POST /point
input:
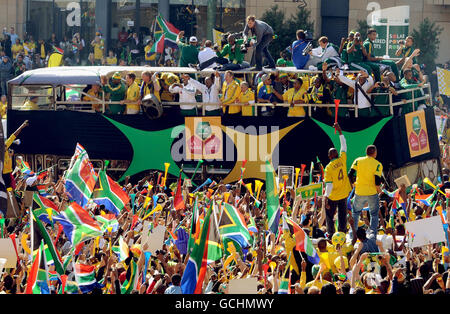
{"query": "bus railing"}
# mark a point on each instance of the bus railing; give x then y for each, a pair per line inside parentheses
(86, 106)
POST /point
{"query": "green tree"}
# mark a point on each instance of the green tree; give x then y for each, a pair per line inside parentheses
(285, 28)
(362, 28)
(426, 38)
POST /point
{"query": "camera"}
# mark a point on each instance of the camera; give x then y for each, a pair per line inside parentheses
(309, 46)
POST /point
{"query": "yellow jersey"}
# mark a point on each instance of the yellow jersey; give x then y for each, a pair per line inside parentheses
(111, 61)
(96, 107)
(366, 168)
(7, 164)
(3, 108)
(247, 98)
(230, 93)
(336, 173)
(290, 96)
(30, 46)
(133, 93)
(29, 105)
(15, 49)
(98, 50)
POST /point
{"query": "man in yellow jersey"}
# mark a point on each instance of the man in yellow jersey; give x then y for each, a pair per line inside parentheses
(133, 94)
(230, 93)
(7, 164)
(368, 172)
(337, 186)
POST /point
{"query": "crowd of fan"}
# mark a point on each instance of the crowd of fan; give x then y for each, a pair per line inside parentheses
(361, 265)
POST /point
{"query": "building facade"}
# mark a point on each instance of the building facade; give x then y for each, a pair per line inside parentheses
(333, 18)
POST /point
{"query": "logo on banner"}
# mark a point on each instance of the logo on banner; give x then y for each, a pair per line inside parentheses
(416, 130)
(203, 138)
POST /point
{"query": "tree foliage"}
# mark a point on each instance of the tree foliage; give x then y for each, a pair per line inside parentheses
(426, 38)
(362, 28)
(285, 28)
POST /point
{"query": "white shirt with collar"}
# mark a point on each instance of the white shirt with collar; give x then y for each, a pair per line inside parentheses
(209, 95)
(206, 54)
(362, 100)
(187, 93)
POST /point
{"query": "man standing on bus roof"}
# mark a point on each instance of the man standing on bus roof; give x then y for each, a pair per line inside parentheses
(337, 186)
(116, 89)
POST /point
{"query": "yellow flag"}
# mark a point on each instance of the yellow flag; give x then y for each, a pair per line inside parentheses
(443, 77)
(217, 38)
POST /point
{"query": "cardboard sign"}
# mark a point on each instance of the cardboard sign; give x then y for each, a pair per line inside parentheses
(7, 252)
(289, 172)
(28, 198)
(153, 239)
(426, 231)
(13, 210)
(308, 191)
(243, 286)
(416, 130)
(403, 180)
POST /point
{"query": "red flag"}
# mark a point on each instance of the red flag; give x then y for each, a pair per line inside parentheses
(336, 107)
(63, 283)
(32, 276)
(13, 238)
(78, 248)
(303, 170)
(178, 200)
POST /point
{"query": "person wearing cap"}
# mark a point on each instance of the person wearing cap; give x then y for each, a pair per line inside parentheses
(116, 90)
(365, 81)
(16, 48)
(264, 36)
(265, 95)
(188, 52)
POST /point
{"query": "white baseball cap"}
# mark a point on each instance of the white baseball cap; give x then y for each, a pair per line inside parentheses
(193, 39)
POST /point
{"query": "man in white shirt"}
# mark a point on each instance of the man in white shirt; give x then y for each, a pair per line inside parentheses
(210, 93)
(187, 92)
(364, 81)
(206, 55)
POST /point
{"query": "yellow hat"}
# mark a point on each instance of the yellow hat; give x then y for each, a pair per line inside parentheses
(117, 76)
(337, 262)
(283, 75)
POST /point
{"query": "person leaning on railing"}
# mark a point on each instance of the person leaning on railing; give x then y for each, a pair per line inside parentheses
(187, 91)
(94, 91)
(266, 95)
(338, 91)
(408, 82)
(294, 96)
(133, 95)
(230, 93)
(247, 97)
(117, 90)
(383, 88)
(365, 81)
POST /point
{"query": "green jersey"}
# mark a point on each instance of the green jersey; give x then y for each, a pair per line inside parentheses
(356, 55)
(189, 54)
